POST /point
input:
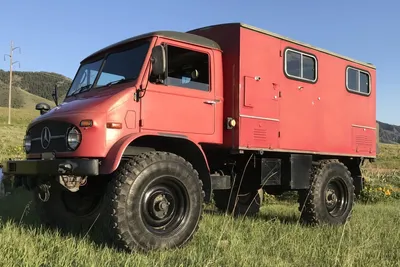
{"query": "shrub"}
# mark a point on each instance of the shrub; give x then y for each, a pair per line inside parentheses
(379, 193)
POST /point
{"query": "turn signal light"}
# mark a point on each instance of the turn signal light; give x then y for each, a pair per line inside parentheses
(114, 125)
(86, 123)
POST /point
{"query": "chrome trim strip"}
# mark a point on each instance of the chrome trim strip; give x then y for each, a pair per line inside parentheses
(256, 117)
(363, 126)
(53, 137)
(305, 152)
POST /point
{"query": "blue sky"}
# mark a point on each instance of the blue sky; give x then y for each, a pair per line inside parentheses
(56, 35)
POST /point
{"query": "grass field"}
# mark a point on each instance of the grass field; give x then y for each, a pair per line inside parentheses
(274, 238)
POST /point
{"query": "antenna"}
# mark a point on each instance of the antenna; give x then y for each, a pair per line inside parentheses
(12, 48)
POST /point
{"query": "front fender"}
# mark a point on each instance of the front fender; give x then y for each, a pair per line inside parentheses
(114, 155)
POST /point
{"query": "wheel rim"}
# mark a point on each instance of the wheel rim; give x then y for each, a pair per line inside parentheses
(164, 205)
(336, 199)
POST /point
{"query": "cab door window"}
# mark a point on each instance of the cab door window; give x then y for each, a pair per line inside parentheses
(187, 68)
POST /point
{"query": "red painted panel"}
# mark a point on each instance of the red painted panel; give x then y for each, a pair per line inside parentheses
(257, 133)
(178, 110)
(184, 111)
(130, 119)
(363, 140)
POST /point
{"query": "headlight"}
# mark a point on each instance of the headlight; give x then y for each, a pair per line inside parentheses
(74, 138)
(27, 143)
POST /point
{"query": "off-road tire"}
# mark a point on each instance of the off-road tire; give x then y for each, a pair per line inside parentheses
(242, 204)
(126, 197)
(313, 203)
(55, 213)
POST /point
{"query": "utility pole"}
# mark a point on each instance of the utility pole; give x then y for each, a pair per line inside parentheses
(12, 48)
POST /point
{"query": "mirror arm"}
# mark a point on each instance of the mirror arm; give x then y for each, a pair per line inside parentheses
(55, 95)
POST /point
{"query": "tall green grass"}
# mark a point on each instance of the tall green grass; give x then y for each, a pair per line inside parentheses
(274, 238)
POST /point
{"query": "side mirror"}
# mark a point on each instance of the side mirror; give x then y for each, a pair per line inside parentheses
(158, 60)
(55, 95)
(43, 108)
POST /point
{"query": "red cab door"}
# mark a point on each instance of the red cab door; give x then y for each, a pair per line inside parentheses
(183, 102)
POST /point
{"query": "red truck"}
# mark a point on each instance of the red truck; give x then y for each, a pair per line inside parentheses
(156, 125)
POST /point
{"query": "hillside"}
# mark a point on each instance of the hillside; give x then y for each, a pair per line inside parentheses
(28, 86)
(389, 133)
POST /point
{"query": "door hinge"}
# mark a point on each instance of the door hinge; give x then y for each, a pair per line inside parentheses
(280, 94)
(140, 123)
(280, 53)
(279, 133)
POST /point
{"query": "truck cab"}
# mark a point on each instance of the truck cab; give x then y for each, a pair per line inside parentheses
(161, 91)
(114, 94)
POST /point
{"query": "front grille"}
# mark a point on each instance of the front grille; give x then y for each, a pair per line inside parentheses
(56, 134)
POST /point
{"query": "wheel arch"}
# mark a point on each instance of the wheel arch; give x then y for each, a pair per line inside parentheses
(135, 144)
(354, 166)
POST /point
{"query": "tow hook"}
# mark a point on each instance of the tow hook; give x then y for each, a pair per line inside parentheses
(64, 168)
(44, 193)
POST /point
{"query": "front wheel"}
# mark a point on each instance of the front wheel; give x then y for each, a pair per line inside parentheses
(156, 200)
(331, 196)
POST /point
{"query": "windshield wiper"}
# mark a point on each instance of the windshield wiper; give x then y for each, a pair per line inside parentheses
(82, 89)
(123, 80)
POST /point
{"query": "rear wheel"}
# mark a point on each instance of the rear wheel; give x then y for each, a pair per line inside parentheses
(156, 202)
(331, 196)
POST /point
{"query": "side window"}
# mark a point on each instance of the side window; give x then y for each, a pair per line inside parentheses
(357, 81)
(300, 65)
(187, 68)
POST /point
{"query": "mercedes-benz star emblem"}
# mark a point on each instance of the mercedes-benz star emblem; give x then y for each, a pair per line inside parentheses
(45, 137)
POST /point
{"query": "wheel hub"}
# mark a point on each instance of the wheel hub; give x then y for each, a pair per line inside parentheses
(164, 205)
(331, 197)
(160, 206)
(335, 197)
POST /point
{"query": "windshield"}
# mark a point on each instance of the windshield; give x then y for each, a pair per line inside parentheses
(118, 66)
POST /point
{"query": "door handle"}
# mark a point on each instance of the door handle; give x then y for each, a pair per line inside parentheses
(211, 102)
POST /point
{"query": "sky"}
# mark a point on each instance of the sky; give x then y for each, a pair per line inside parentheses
(56, 35)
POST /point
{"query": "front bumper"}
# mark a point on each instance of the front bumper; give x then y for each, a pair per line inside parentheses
(82, 167)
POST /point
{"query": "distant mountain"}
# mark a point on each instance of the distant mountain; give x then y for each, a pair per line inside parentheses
(36, 83)
(389, 133)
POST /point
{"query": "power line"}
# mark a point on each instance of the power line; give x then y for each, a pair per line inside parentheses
(12, 48)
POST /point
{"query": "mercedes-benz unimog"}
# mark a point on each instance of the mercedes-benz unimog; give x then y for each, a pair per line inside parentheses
(156, 125)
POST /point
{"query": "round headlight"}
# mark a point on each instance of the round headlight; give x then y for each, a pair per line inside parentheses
(27, 143)
(74, 138)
